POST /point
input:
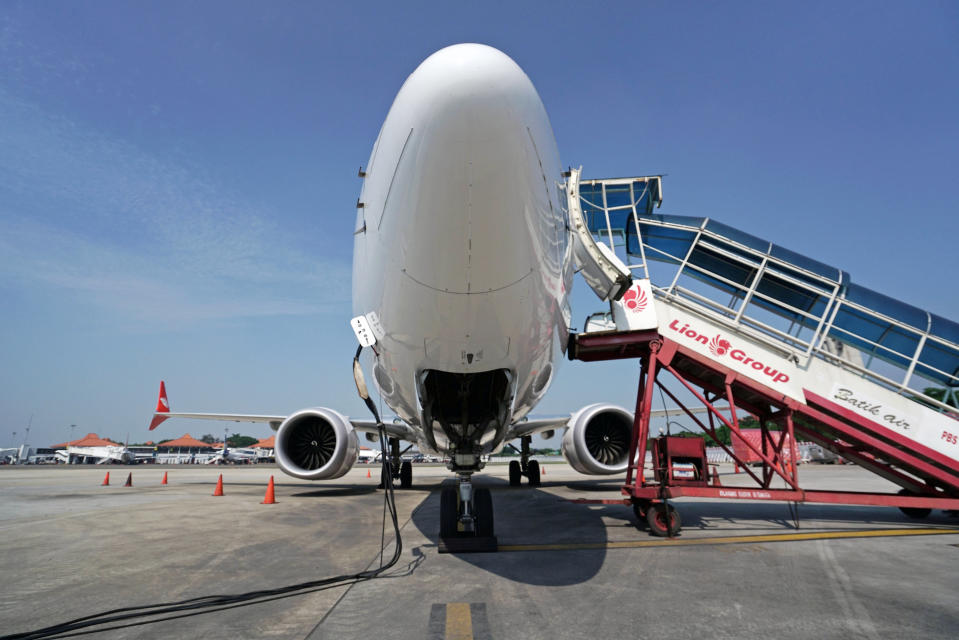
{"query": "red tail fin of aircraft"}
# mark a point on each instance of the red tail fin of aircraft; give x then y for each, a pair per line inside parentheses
(163, 406)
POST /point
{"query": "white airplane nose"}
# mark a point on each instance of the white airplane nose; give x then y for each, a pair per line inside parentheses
(468, 171)
(471, 78)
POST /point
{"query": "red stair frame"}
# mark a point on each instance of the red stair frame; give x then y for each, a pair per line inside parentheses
(929, 479)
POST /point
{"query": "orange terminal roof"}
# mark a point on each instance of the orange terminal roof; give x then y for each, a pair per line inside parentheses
(265, 443)
(89, 440)
(186, 441)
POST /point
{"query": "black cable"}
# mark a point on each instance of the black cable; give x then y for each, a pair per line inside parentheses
(218, 602)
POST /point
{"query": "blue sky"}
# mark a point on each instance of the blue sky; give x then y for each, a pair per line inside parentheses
(178, 179)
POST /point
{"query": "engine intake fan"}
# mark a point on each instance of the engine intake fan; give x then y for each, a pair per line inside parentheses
(596, 441)
(316, 444)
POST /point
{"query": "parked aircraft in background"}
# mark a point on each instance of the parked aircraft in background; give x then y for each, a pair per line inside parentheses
(233, 456)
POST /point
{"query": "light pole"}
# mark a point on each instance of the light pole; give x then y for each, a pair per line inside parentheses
(72, 427)
(26, 436)
(223, 458)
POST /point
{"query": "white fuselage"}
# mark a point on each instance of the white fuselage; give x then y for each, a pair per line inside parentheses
(462, 257)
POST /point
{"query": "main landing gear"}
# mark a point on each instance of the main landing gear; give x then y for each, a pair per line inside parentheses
(466, 512)
(524, 466)
(398, 468)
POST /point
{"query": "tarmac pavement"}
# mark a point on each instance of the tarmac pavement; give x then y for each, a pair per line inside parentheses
(72, 547)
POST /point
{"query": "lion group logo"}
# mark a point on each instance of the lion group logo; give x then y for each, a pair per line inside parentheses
(635, 300)
(719, 346)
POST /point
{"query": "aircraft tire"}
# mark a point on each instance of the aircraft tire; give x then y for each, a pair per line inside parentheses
(448, 512)
(483, 505)
(406, 474)
(532, 472)
(515, 473)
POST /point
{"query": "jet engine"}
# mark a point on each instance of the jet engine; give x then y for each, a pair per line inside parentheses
(596, 441)
(316, 444)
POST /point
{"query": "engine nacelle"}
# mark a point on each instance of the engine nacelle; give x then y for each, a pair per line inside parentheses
(316, 444)
(596, 441)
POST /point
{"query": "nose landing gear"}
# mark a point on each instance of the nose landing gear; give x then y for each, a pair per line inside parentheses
(466, 517)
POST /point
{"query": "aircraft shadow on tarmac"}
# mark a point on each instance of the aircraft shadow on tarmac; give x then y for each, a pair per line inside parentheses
(335, 490)
(524, 515)
(332, 490)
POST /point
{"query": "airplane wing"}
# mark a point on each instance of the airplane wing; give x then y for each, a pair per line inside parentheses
(538, 425)
(162, 412)
(160, 416)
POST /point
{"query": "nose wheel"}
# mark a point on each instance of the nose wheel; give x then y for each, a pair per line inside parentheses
(466, 518)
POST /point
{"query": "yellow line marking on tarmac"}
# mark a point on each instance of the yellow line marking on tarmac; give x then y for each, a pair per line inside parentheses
(686, 542)
(459, 622)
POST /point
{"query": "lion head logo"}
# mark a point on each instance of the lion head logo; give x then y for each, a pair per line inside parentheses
(719, 346)
(635, 300)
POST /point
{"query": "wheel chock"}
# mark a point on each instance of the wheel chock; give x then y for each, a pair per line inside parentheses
(468, 544)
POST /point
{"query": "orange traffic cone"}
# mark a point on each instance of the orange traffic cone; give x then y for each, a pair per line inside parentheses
(368, 475)
(219, 486)
(164, 478)
(715, 477)
(542, 471)
(106, 480)
(736, 465)
(270, 498)
(129, 482)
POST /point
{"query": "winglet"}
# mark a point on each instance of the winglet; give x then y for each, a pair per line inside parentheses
(163, 406)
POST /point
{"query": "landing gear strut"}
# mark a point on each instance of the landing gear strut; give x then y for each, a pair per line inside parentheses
(524, 466)
(398, 468)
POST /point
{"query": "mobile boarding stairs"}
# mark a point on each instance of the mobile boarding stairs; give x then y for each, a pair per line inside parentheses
(746, 327)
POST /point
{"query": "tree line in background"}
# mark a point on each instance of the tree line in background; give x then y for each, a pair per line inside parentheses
(942, 395)
(236, 440)
(724, 433)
